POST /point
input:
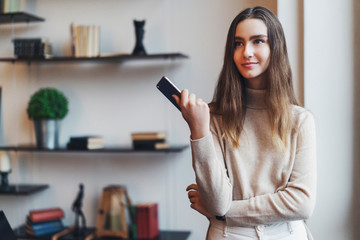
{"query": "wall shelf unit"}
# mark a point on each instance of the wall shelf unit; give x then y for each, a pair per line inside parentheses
(23, 189)
(164, 235)
(19, 17)
(28, 189)
(173, 149)
(112, 58)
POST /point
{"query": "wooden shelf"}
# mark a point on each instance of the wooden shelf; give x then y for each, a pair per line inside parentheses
(173, 149)
(18, 17)
(164, 235)
(112, 58)
(23, 189)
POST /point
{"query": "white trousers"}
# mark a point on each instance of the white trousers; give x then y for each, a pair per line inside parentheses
(280, 231)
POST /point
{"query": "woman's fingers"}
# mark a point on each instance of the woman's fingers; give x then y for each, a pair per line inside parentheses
(192, 187)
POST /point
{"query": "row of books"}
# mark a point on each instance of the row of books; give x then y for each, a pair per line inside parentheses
(85, 40)
(144, 225)
(149, 140)
(32, 48)
(41, 222)
(7, 6)
(147, 221)
(140, 141)
(85, 143)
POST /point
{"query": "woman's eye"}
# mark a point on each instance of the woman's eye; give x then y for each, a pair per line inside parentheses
(238, 44)
(258, 41)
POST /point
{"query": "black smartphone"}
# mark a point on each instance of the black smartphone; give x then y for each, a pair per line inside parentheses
(168, 89)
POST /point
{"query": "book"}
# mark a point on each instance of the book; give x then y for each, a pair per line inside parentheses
(87, 139)
(148, 135)
(86, 142)
(37, 226)
(32, 48)
(157, 144)
(133, 224)
(85, 40)
(147, 220)
(42, 228)
(48, 214)
(43, 231)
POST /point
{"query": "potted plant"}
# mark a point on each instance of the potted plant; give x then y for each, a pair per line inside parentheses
(47, 107)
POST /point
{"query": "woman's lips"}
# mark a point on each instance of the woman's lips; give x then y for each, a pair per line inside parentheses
(249, 64)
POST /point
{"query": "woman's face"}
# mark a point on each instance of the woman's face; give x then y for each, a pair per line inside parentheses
(252, 52)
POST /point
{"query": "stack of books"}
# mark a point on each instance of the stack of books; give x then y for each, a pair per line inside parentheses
(149, 140)
(32, 48)
(85, 143)
(44, 221)
(147, 220)
(7, 6)
(85, 40)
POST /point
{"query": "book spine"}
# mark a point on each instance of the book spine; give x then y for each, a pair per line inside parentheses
(46, 215)
(153, 221)
(44, 225)
(140, 221)
(43, 231)
(2, 6)
(146, 144)
(133, 224)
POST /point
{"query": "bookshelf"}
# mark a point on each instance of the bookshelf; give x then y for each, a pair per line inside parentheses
(28, 189)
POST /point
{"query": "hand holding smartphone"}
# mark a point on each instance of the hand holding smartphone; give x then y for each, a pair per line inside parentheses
(168, 89)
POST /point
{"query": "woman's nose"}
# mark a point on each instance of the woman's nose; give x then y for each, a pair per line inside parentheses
(248, 51)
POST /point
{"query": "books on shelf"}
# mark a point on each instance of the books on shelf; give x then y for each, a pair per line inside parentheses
(85, 40)
(148, 135)
(149, 140)
(42, 228)
(32, 48)
(150, 144)
(7, 6)
(86, 142)
(46, 214)
(44, 221)
(147, 220)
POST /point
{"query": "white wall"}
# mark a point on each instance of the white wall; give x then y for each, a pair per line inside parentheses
(114, 100)
(332, 94)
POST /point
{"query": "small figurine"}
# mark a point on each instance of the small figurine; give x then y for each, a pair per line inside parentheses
(76, 207)
(139, 33)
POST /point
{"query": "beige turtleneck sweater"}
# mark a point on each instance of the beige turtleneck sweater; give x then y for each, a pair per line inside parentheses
(256, 183)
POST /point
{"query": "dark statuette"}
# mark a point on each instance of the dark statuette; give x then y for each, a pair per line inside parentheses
(139, 34)
(76, 207)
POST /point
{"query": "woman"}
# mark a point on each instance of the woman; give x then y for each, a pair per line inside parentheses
(253, 146)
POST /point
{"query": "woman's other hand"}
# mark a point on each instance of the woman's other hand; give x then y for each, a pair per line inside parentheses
(195, 200)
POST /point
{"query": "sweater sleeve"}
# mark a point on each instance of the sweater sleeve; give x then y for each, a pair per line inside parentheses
(211, 175)
(296, 201)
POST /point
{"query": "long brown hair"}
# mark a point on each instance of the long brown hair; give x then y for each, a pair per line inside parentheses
(229, 99)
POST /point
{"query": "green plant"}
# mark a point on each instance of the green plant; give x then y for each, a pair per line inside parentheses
(47, 103)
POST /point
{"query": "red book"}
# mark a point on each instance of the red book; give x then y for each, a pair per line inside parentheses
(147, 220)
(48, 214)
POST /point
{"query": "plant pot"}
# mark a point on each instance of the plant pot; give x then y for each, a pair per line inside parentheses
(47, 133)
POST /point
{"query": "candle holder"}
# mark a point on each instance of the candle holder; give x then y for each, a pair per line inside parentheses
(5, 182)
(5, 170)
